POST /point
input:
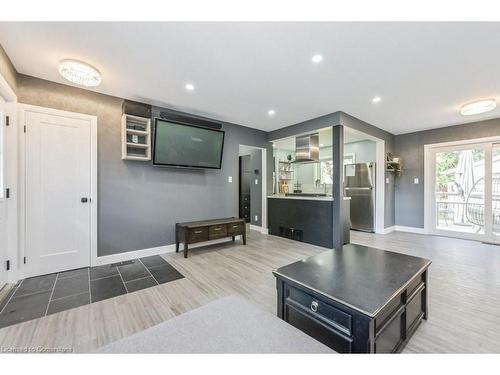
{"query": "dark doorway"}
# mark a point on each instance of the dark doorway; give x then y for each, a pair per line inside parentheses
(244, 190)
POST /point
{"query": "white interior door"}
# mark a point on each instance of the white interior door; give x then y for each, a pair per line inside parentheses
(57, 193)
(3, 203)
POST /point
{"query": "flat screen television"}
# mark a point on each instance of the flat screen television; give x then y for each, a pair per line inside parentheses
(187, 146)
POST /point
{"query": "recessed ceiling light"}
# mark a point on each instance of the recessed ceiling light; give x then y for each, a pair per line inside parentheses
(376, 99)
(317, 58)
(478, 106)
(189, 87)
(80, 73)
(271, 112)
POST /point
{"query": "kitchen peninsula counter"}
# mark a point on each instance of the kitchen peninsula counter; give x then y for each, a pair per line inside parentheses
(327, 198)
(306, 218)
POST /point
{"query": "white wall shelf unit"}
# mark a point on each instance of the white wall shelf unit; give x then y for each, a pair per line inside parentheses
(136, 138)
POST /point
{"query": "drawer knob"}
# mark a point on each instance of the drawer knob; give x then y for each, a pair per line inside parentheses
(198, 231)
(217, 228)
(314, 306)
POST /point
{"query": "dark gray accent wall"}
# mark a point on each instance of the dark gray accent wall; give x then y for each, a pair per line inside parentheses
(410, 147)
(331, 119)
(255, 189)
(139, 204)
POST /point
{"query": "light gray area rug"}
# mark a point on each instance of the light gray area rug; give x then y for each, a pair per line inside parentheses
(227, 325)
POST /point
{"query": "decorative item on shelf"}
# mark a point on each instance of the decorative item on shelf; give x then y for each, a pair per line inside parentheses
(282, 187)
(393, 164)
(285, 170)
(297, 188)
(289, 157)
(136, 138)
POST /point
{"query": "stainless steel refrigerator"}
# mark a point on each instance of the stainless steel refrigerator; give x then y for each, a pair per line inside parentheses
(359, 185)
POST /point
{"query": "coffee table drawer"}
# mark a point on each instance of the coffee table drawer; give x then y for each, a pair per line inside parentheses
(322, 310)
(217, 231)
(415, 308)
(391, 336)
(387, 312)
(198, 234)
(318, 330)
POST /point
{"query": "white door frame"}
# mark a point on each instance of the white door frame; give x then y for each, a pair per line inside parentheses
(429, 170)
(263, 184)
(23, 109)
(11, 178)
(380, 186)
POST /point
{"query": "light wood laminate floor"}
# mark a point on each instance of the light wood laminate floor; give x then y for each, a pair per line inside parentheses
(464, 296)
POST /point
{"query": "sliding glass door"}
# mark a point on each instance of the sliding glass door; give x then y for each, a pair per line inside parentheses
(465, 191)
(495, 191)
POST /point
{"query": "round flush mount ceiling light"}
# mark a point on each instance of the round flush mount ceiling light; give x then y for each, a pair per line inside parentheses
(189, 87)
(80, 73)
(271, 112)
(317, 59)
(376, 99)
(478, 106)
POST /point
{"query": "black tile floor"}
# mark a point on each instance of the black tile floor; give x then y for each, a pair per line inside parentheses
(44, 295)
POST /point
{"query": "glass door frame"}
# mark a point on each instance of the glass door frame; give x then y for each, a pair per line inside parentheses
(4, 255)
(430, 152)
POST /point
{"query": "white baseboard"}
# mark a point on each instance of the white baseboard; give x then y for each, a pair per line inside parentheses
(389, 230)
(402, 228)
(129, 255)
(259, 229)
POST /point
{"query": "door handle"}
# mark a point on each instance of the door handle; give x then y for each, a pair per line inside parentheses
(84, 200)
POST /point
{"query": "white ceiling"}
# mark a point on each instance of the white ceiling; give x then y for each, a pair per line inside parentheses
(422, 71)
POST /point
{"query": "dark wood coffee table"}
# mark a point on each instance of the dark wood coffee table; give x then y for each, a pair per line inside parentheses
(355, 300)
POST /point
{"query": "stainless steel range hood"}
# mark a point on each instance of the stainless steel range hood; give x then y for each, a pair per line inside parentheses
(307, 148)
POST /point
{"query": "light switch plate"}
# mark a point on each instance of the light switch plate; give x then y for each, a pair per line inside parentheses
(256, 182)
(230, 179)
(415, 180)
(387, 180)
(256, 218)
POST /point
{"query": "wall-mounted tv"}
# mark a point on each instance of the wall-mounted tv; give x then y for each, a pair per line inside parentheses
(187, 146)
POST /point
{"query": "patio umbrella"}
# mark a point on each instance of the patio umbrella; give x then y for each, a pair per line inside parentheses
(464, 176)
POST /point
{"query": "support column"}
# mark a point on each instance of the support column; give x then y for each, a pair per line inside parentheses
(338, 185)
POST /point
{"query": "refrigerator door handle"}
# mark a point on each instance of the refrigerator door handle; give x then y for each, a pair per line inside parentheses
(358, 188)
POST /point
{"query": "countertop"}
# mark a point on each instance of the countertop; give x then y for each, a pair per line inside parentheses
(328, 198)
(360, 277)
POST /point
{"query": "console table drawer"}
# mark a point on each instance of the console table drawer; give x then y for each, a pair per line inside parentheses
(205, 230)
(198, 234)
(217, 231)
(235, 229)
(322, 310)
